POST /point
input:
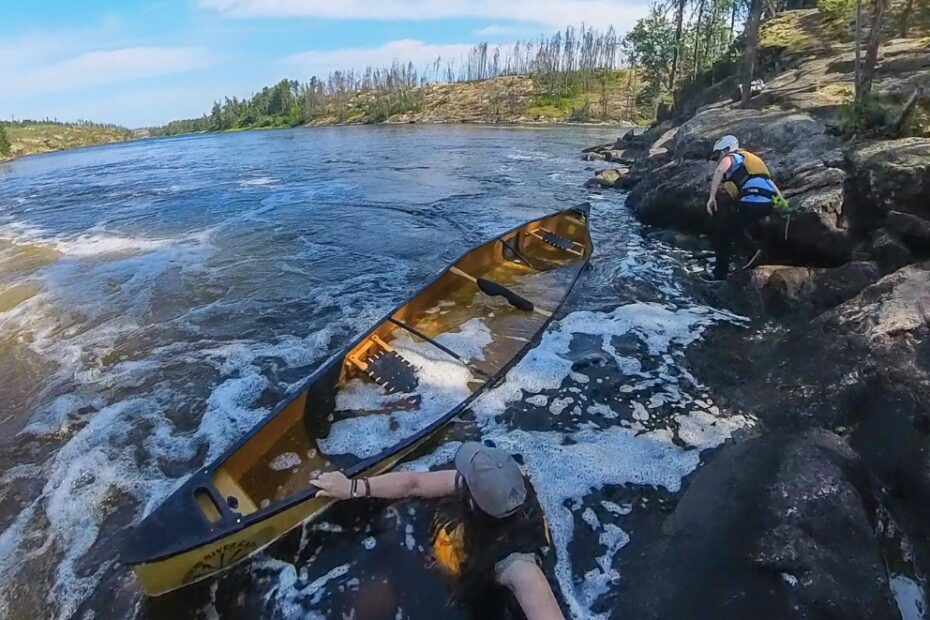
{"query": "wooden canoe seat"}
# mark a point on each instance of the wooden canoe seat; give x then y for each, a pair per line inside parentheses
(385, 366)
(556, 241)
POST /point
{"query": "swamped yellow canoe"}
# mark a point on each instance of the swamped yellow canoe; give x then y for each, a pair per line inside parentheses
(369, 407)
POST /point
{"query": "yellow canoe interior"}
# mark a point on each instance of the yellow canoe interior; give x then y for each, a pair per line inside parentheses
(260, 489)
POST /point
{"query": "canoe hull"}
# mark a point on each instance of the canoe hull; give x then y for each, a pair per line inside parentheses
(213, 523)
(178, 571)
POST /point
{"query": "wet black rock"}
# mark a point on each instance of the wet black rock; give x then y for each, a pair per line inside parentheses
(891, 175)
(774, 527)
(783, 289)
(889, 251)
(912, 230)
(691, 243)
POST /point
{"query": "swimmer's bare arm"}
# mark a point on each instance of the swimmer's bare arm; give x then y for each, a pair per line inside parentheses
(530, 586)
(389, 486)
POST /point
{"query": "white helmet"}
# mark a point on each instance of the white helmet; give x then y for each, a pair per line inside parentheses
(726, 144)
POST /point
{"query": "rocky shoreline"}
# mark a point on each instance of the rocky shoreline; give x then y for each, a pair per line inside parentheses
(797, 519)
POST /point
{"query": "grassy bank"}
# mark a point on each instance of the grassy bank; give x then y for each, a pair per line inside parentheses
(29, 138)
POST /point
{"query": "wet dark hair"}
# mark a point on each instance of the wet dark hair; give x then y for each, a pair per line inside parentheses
(488, 540)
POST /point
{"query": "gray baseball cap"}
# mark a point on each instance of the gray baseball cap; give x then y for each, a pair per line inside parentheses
(493, 477)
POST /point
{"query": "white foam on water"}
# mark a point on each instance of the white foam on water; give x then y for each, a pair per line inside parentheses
(98, 458)
(540, 400)
(909, 596)
(85, 245)
(441, 456)
(284, 461)
(409, 540)
(603, 410)
(257, 182)
(615, 508)
(443, 385)
(292, 591)
(565, 472)
(545, 367)
(82, 477)
(558, 405)
(470, 341)
(617, 456)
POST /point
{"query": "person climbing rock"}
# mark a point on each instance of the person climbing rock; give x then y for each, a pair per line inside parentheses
(489, 534)
(749, 195)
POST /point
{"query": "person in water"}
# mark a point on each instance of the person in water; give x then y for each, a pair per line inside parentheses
(750, 195)
(489, 533)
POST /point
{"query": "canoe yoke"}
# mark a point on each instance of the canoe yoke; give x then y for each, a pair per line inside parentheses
(384, 365)
(566, 245)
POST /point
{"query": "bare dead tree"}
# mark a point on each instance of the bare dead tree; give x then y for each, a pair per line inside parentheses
(858, 74)
(676, 54)
(906, 18)
(752, 47)
(871, 53)
(697, 40)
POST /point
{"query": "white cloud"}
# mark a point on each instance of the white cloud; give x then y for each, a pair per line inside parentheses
(621, 14)
(99, 68)
(503, 30)
(318, 62)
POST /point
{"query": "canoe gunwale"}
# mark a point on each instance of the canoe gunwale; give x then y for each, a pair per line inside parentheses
(205, 474)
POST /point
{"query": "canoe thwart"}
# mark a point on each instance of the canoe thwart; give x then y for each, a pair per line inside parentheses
(517, 254)
(494, 289)
(439, 346)
(556, 241)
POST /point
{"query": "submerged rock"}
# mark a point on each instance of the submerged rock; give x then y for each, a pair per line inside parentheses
(610, 177)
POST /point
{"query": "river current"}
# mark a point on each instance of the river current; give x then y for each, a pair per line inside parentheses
(157, 298)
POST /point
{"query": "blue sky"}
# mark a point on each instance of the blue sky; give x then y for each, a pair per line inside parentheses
(144, 63)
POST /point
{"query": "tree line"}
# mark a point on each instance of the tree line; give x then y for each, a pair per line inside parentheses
(564, 64)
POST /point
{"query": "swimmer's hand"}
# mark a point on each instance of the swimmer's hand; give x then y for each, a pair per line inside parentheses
(333, 484)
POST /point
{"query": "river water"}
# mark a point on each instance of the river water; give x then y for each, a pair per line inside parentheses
(158, 297)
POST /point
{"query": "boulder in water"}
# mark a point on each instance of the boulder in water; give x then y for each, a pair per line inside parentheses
(610, 177)
(780, 526)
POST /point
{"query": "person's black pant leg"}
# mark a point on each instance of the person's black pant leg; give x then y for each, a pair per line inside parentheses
(727, 223)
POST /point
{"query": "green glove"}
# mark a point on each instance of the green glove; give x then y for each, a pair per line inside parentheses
(781, 204)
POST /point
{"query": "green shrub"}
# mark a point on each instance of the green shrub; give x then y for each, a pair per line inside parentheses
(864, 119)
(837, 12)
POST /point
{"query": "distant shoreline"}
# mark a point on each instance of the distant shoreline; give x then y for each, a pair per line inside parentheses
(526, 123)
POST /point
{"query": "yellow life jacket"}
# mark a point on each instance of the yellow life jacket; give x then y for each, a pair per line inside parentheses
(745, 166)
(449, 546)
